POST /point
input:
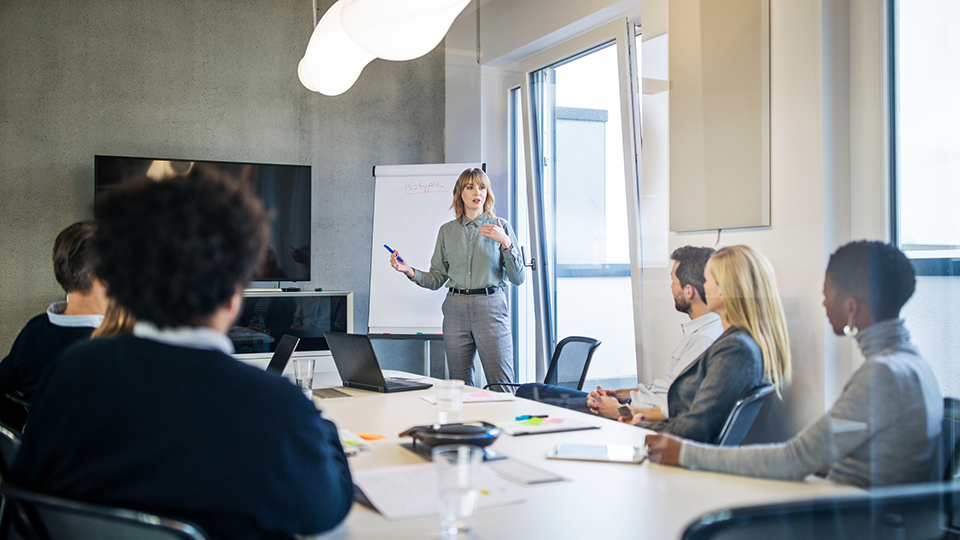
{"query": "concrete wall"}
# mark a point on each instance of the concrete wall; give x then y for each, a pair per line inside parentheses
(205, 80)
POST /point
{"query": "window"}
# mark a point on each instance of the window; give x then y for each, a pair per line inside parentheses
(583, 178)
(926, 131)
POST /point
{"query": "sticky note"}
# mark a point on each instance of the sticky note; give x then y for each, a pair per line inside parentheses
(370, 436)
(532, 421)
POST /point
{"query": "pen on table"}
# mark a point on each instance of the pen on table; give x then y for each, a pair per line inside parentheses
(392, 251)
(529, 416)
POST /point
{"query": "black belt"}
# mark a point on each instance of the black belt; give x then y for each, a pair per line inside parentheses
(487, 291)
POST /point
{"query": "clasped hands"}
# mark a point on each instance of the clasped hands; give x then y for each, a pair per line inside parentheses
(606, 403)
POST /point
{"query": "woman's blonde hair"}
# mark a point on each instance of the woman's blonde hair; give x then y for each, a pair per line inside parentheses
(478, 178)
(749, 289)
(116, 321)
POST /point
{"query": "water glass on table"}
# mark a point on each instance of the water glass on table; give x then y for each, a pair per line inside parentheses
(458, 468)
(449, 394)
(303, 368)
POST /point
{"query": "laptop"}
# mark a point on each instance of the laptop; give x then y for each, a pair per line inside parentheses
(282, 355)
(358, 366)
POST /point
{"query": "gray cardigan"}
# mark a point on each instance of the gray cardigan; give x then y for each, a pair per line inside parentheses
(701, 397)
(884, 428)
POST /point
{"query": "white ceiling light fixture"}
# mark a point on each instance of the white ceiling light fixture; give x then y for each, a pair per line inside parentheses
(399, 30)
(332, 61)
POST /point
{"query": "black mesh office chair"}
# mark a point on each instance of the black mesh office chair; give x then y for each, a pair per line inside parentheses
(42, 517)
(912, 512)
(9, 445)
(949, 439)
(569, 365)
(741, 418)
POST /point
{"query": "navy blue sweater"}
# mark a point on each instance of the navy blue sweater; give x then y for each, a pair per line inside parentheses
(38, 345)
(185, 433)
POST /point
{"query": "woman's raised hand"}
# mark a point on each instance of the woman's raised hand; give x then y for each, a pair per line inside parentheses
(496, 233)
(399, 266)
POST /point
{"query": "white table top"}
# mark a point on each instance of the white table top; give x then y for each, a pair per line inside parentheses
(622, 500)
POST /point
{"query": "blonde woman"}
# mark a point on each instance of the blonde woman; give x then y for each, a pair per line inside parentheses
(116, 321)
(476, 255)
(753, 350)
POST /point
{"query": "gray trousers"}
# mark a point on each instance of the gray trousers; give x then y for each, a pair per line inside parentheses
(478, 323)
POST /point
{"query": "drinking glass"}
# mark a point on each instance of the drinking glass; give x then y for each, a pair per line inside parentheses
(449, 394)
(458, 468)
(303, 367)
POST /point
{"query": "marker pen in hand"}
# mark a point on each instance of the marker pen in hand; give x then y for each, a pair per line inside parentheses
(392, 251)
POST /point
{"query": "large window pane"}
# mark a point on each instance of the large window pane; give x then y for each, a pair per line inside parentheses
(928, 81)
(927, 134)
(579, 151)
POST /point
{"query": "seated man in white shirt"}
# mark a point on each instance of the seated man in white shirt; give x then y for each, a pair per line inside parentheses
(702, 330)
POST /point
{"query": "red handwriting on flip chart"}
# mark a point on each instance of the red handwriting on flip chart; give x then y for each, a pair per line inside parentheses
(421, 188)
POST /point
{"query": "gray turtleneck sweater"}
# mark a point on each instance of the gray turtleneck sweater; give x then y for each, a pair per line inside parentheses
(883, 430)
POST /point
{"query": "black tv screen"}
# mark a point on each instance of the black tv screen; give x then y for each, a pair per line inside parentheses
(284, 190)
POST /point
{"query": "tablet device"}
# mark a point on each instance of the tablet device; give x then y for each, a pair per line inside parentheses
(617, 453)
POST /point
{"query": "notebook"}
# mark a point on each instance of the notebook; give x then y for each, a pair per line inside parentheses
(358, 366)
(282, 355)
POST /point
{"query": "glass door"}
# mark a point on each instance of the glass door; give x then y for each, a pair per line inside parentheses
(583, 188)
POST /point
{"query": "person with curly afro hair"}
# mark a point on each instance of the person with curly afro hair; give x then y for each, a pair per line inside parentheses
(164, 420)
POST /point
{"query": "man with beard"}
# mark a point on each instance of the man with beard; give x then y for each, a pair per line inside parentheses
(699, 332)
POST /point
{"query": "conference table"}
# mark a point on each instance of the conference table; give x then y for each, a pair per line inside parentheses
(610, 500)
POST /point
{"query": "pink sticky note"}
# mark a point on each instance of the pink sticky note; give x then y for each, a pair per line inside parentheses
(552, 421)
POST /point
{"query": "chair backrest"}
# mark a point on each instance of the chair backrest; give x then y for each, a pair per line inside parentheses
(744, 412)
(570, 362)
(913, 512)
(43, 517)
(949, 439)
(9, 445)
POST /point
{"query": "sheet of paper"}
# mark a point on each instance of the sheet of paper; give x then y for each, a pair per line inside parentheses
(544, 425)
(410, 491)
(476, 397)
(524, 473)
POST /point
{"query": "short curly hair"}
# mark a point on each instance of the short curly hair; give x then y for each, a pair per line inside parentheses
(175, 251)
(876, 272)
(74, 257)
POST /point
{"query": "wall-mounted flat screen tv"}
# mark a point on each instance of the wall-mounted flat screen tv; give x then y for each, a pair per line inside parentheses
(284, 190)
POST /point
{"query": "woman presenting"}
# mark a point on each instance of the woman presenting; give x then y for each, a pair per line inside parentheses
(475, 256)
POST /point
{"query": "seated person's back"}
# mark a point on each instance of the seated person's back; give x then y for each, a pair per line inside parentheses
(164, 420)
(188, 433)
(43, 338)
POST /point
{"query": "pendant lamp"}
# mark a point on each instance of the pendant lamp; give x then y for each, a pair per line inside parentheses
(332, 61)
(399, 29)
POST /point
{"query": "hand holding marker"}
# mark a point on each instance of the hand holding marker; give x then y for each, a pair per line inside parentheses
(392, 251)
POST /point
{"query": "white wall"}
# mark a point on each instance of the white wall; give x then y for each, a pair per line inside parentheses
(826, 161)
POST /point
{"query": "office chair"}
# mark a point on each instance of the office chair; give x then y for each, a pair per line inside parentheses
(43, 517)
(569, 365)
(9, 445)
(911, 512)
(949, 439)
(741, 418)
